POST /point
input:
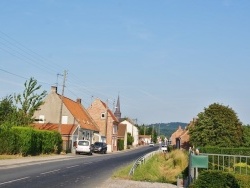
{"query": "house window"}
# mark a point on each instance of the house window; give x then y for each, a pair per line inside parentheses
(41, 119)
(103, 115)
(64, 119)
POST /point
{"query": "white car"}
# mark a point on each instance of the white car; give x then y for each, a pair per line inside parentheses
(151, 144)
(164, 148)
(83, 146)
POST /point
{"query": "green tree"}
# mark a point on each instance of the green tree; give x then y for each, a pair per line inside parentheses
(219, 126)
(246, 136)
(7, 108)
(28, 103)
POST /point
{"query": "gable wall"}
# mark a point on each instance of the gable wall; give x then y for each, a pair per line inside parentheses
(51, 110)
(95, 110)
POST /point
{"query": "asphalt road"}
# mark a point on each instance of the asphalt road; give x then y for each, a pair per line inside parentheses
(78, 171)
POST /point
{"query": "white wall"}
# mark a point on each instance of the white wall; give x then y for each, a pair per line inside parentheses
(133, 130)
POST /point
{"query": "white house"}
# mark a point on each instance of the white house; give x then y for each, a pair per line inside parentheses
(133, 130)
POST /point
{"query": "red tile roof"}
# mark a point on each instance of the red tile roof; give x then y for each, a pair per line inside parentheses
(66, 129)
(81, 115)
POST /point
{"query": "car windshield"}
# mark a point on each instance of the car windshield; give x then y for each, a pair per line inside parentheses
(83, 143)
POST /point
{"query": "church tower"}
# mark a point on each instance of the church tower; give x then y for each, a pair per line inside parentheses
(117, 112)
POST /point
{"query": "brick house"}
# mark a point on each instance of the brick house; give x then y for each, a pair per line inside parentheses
(122, 134)
(74, 124)
(180, 138)
(107, 123)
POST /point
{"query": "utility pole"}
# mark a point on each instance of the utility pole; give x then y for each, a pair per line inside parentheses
(61, 107)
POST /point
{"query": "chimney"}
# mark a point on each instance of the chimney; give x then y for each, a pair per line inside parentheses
(79, 101)
(53, 89)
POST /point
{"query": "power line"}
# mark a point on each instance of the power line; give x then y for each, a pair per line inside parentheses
(24, 50)
(22, 76)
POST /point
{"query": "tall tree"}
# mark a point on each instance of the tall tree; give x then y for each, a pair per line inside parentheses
(246, 135)
(28, 102)
(218, 125)
(7, 108)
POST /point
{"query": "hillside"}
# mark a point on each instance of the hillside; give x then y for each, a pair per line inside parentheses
(167, 129)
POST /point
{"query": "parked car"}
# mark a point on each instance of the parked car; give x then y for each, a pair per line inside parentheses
(151, 144)
(100, 147)
(164, 148)
(83, 146)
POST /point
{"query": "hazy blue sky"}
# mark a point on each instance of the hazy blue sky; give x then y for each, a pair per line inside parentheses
(167, 59)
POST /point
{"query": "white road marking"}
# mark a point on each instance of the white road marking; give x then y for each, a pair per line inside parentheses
(72, 166)
(14, 180)
(50, 171)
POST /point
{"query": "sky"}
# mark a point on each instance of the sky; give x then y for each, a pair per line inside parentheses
(167, 60)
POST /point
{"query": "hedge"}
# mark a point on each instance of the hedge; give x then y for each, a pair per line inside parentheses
(29, 141)
(226, 151)
(215, 179)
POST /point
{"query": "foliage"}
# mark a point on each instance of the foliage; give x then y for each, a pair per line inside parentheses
(130, 139)
(148, 130)
(162, 167)
(246, 136)
(7, 108)
(123, 172)
(243, 180)
(159, 168)
(120, 144)
(28, 102)
(226, 150)
(214, 179)
(19, 110)
(167, 129)
(28, 141)
(218, 125)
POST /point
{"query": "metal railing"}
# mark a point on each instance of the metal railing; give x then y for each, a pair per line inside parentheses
(231, 163)
(142, 160)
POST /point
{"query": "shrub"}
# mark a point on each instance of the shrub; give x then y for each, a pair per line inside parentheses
(215, 179)
(243, 180)
(120, 144)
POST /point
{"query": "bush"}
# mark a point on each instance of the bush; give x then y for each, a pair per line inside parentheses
(120, 144)
(28, 141)
(215, 179)
(243, 180)
(228, 151)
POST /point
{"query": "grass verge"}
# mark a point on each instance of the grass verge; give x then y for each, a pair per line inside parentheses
(161, 167)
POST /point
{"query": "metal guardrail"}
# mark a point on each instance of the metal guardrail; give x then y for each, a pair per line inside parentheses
(142, 160)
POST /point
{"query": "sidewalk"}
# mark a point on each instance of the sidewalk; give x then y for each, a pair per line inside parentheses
(11, 163)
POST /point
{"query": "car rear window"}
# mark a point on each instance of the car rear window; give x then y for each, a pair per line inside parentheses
(98, 144)
(83, 143)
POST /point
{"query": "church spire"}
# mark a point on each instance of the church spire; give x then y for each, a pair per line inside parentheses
(118, 110)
